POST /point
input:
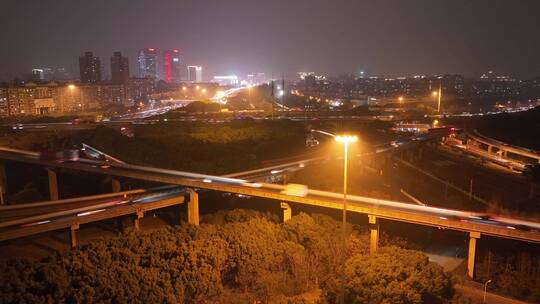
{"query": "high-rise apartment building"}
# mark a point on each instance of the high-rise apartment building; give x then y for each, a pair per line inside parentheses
(171, 66)
(147, 63)
(119, 68)
(194, 73)
(90, 68)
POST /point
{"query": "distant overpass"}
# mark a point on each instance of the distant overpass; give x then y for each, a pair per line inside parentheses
(471, 223)
(496, 151)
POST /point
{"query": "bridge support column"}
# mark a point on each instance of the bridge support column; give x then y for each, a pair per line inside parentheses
(136, 222)
(287, 211)
(73, 235)
(473, 237)
(115, 185)
(193, 208)
(3, 183)
(374, 234)
(53, 185)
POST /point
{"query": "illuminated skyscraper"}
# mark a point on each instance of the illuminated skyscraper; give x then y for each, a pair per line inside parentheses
(119, 68)
(90, 68)
(171, 66)
(147, 63)
(194, 73)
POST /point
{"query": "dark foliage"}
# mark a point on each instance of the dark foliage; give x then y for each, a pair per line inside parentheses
(247, 256)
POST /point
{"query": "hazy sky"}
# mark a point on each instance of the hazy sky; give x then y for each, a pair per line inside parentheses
(397, 37)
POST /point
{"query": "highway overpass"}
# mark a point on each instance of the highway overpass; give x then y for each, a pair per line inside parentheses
(473, 224)
(496, 151)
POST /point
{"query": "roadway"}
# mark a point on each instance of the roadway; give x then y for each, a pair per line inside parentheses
(99, 209)
(512, 228)
(27, 211)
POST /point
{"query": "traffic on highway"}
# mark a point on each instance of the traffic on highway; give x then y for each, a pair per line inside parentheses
(438, 216)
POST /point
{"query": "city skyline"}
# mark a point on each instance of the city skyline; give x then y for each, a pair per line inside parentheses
(238, 37)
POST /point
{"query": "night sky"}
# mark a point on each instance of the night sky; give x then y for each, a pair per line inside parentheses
(400, 37)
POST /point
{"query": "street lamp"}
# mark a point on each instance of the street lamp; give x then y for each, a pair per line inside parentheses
(438, 94)
(345, 140)
(485, 290)
(71, 88)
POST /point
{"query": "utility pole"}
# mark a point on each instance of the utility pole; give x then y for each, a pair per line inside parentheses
(439, 95)
(272, 89)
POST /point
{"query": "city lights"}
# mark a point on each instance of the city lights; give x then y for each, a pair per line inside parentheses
(346, 139)
(126, 175)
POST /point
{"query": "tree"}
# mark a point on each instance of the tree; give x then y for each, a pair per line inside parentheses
(391, 276)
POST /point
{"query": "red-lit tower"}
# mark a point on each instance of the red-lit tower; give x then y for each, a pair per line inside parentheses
(171, 66)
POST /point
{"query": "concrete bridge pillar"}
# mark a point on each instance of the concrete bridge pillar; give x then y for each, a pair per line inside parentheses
(53, 185)
(115, 185)
(374, 234)
(473, 237)
(193, 208)
(73, 235)
(136, 222)
(287, 211)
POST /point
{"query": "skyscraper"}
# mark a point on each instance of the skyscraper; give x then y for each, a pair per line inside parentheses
(119, 68)
(90, 68)
(38, 75)
(171, 66)
(147, 62)
(194, 73)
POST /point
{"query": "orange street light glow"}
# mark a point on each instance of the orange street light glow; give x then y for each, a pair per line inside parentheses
(71, 86)
(435, 93)
(346, 138)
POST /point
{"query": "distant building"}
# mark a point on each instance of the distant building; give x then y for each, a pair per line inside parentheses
(4, 106)
(256, 78)
(60, 74)
(227, 80)
(140, 88)
(90, 68)
(119, 68)
(194, 73)
(171, 66)
(38, 75)
(147, 63)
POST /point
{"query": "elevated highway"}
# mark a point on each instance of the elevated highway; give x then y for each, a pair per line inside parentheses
(473, 224)
(498, 152)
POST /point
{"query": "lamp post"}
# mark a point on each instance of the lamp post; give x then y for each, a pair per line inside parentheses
(249, 86)
(345, 140)
(485, 290)
(438, 94)
(71, 88)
